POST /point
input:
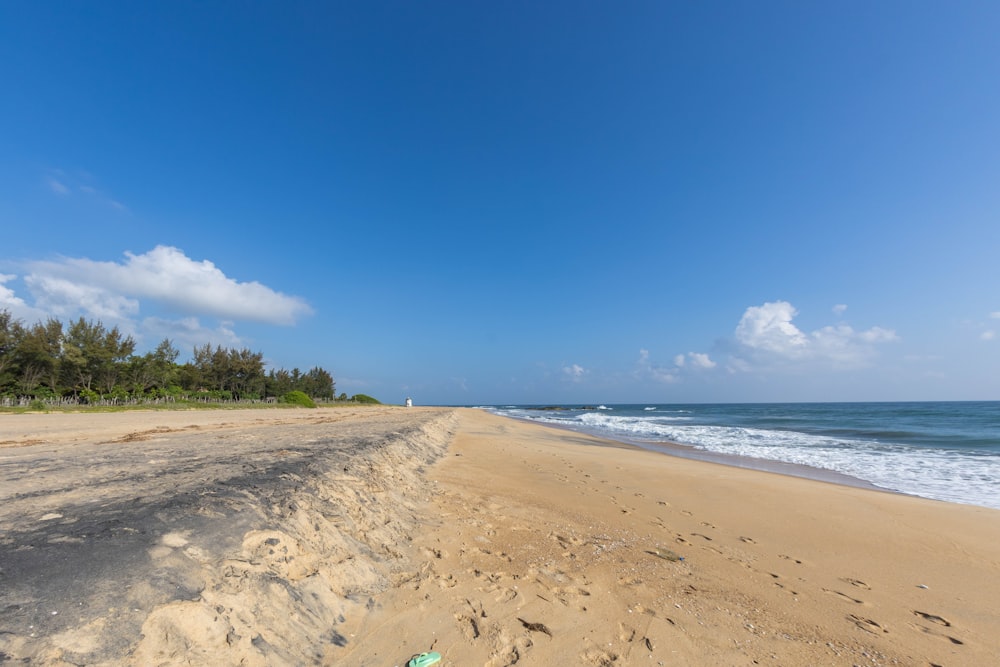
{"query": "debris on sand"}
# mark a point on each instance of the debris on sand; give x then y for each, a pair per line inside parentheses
(665, 554)
(535, 627)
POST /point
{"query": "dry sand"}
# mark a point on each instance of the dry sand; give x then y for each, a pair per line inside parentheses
(554, 548)
(361, 537)
(249, 537)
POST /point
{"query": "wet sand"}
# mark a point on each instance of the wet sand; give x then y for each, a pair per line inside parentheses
(363, 536)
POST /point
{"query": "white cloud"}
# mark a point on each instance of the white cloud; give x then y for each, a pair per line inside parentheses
(156, 295)
(766, 335)
(574, 372)
(699, 360)
(995, 315)
(17, 307)
(165, 275)
(839, 309)
(683, 364)
(878, 335)
(58, 187)
(63, 297)
(7, 297)
(66, 184)
(188, 332)
(646, 369)
(769, 328)
(988, 335)
(738, 365)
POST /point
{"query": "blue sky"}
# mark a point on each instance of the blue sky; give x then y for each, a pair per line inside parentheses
(519, 202)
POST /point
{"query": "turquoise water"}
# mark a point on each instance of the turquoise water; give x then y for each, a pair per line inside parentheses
(947, 451)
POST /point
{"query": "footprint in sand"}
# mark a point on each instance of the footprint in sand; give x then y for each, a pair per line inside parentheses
(501, 593)
(856, 582)
(937, 620)
(598, 658)
(794, 560)
(505, 649)
(568, 592)
(626, 633)
(748, 540)
(563, 588)
(567, 542)
(929, 631)
(430, 553)
(933, 618)
(468, 626)
(843, 596)
(866, 624)
(781, 585)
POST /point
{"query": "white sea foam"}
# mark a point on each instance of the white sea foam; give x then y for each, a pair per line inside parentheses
(932, 473)
(943, 474)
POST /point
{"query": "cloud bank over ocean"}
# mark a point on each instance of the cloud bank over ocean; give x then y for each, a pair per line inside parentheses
(766, 335)
(766, 341)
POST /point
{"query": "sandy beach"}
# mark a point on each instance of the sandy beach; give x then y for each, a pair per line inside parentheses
(229, 537)
(362, 537)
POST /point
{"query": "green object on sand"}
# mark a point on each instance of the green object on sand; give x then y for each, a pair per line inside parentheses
(424, 659)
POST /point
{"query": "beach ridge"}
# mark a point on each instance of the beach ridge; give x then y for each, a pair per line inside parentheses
(243, 538)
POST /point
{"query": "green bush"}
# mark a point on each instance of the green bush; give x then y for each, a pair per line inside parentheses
(173, 391)
(298, 398)
(364, 398)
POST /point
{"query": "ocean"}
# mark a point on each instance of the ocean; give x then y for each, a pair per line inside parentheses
(942, 450)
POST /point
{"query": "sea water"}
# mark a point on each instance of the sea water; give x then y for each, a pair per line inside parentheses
(942, 450)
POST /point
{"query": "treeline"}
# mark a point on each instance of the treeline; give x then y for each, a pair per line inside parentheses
(89, 362)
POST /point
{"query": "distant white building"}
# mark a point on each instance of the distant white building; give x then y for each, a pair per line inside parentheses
(409, 402)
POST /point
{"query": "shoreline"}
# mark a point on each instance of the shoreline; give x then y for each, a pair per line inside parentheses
(766, 465)
(777, 466)
(681, 450)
